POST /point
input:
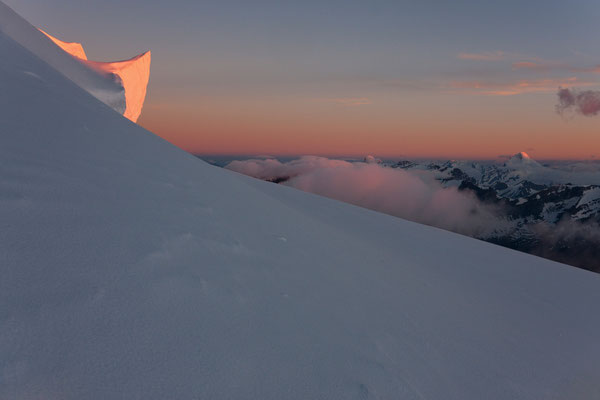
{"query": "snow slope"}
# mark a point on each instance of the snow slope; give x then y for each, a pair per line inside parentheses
(134, 74)
(121, 84)
(73, 48)
(132, 270)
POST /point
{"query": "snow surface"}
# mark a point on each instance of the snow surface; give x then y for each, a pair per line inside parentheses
(134, 74)
(73, 48)
(521, 166)
(517, 173)
(121, 84)
(589, 196)
(132, 270)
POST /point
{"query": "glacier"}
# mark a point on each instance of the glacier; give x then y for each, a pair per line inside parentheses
(133, 270)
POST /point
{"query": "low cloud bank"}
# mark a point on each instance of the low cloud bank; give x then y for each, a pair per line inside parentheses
(397, 192)
(586, 102)
(570, 242)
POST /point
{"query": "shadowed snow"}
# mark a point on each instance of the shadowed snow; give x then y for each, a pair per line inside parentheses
(120, 85)
(132, 270)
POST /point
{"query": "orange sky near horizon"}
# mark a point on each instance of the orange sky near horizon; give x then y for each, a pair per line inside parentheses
(459, 126)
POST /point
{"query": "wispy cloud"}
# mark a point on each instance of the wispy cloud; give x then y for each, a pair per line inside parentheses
(545, 66)
(539, 66)
(518, 87)
(484, 56)
(346, 101)
(595, 70)
(503, 55)
(528, 62)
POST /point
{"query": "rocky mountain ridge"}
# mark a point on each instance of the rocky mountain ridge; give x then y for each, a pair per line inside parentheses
(546, 211)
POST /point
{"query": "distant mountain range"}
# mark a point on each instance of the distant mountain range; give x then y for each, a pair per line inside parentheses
(550, 211)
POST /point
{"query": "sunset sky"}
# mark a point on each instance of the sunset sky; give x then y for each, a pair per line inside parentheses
(461, 79)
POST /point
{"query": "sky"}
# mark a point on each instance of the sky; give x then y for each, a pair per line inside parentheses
(461, 79)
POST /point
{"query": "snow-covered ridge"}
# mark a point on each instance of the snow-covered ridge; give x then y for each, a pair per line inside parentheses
(552, 211)
(132, 270)
(133, 73)
(523, 181)
(121, 85)
(73, 48)
(520, 176)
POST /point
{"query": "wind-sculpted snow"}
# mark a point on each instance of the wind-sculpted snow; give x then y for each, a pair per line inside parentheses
(73, 48)
(133, 73)
(121, 85)
(132, 270)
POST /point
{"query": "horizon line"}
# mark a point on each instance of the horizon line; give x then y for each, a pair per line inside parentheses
(383, 157)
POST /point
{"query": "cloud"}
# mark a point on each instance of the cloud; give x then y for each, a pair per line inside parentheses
(536, 66)
(275, 171)
(347, 101)
(540, 65)
(593, 70)
(484, 56)
(584, 102)
(518, 87)
(527, 62)
(371, 160)
(419, 198)
(570, 242)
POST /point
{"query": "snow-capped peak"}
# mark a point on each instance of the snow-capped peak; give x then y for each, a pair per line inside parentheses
(369, 159)
(519, 160)
(521, 156)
